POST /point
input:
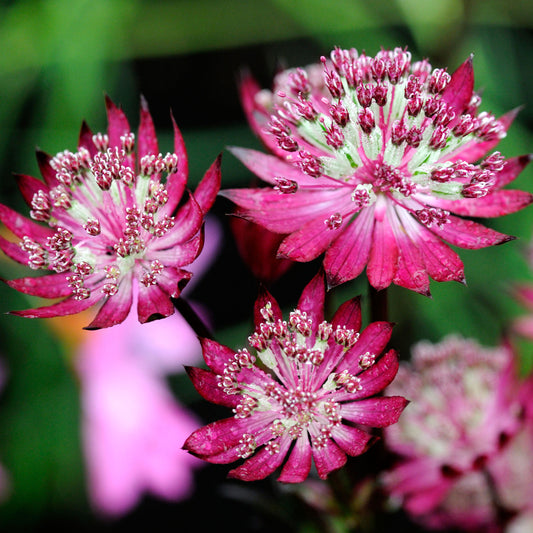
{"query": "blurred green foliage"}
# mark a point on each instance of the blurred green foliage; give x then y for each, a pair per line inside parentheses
(59, 58)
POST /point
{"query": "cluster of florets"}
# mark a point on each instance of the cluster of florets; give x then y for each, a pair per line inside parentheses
(386, 115)
(372, 160)
(467, 403)
(306, 391)
(114, 228)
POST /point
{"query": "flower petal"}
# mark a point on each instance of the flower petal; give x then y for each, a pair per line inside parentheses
(85, 139)
(495, 204)
(257, 247)
(14, 251)
(374, 338)
(285, 213)
(411, 272)
(115, 308)
(50, 286)
(206, 383)
(147, 139)
(313, 238)
(476, 149)
(261, 464)
(458, 92)
(224, 435)
(378, 376)
(312, 299)
(29, 186)
(348, 314)
(47, 172)
(383, 261)
(375, 412)
(420, 482)
(442, 263)
(207, 190)
(348, 255)
(353, 441)
(263, 299)
(177, 254)
(298, 465)
(176, 181)
(328, 458)
(469, 234)
(269, 167)
(153, 303)
(22, 226)
(216, 355)
(118, 124)
(256, 114)
(511, 169)
(69, 306)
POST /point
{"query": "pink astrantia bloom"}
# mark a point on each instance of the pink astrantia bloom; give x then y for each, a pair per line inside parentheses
(305, 394)
(465, 406)
(132, 426)
(375, 160)
(106, 218)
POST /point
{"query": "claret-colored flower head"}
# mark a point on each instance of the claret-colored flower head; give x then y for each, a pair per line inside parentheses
(302, 394)
(466, 404)
(109, 216)
(375, 160)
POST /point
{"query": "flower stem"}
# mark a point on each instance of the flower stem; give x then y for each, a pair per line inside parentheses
(378, 304)
(193, 319)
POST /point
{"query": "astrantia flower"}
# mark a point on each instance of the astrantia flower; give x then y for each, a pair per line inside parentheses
(303, 396)
(105, 218)
(373, 159)
(465, 405)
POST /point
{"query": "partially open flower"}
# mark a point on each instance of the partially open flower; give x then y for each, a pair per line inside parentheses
(108, 216)
(257, 247)
(304, 393)
(375, 160)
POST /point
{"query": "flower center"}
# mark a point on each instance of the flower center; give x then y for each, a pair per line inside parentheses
(105, 216)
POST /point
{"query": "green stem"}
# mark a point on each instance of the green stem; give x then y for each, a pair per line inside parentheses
(378, 304)
(191, 316)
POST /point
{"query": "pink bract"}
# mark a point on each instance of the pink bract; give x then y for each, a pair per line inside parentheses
(467, 402)
(107, 217)
(257, 247)
(306, 395)
(374, 162)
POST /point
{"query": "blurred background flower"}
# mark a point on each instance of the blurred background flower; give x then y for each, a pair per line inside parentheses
(186, 55)
(467, 403)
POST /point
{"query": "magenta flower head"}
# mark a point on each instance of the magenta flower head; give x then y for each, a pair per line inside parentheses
(105, 218)
(466, 404)
(305, 395)
(375, 160)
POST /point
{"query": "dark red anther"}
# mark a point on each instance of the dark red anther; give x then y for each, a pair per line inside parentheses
(365, 93)
(366, 120)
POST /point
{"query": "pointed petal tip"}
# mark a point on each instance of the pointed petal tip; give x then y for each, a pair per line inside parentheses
(108, 102)
(506, 238)
(144, 102)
